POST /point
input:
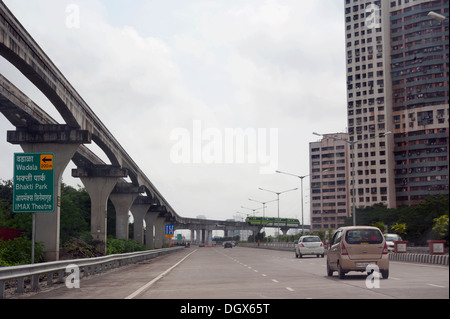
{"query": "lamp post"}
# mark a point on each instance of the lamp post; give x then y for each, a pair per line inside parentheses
(264, 206)
(278, 198)
(254, 214)
(301, 178)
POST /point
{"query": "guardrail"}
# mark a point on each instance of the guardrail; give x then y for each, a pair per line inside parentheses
(419, 255)
(87, 267)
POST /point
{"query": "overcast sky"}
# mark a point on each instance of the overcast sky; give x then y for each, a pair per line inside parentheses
(153, 70)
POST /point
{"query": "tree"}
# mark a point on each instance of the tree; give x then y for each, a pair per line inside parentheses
(440, 228)
(399, 229)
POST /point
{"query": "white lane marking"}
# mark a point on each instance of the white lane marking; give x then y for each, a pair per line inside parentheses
(274, 280)
(436, 286)
(149, 284)
(290, 289)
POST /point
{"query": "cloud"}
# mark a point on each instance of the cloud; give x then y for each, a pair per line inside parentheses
(147, 68)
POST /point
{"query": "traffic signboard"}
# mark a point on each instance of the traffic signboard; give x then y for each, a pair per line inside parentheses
(33, 183)
(170, 231)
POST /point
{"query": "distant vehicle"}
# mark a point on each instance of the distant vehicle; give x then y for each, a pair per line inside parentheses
(309, 245)
(356, 247)
(390, 238)
(228, 244)
(272, 221)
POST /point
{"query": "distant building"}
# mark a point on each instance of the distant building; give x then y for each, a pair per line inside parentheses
(330, 181)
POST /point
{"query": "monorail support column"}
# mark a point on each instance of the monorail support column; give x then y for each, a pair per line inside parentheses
(192, 235)
(160, 224)
(63, 142)
(150, 219)
(122, 197)
(139, 209)
(99, 181)
(284, 230)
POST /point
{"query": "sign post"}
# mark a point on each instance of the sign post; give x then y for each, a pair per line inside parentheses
(34, 190)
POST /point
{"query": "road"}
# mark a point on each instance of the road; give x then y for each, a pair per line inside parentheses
(246, 273)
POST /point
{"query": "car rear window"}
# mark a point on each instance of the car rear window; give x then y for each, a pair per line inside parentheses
(311, 239)
(363, 236)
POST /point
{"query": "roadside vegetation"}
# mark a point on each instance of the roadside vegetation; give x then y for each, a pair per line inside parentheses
(76, 240)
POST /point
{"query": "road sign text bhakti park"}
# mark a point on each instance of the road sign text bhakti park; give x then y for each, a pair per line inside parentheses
(33, 183)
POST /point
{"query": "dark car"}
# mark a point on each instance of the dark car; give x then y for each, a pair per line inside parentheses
(228, 244)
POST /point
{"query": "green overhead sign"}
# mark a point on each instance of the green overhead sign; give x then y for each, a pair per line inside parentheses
(34, 183)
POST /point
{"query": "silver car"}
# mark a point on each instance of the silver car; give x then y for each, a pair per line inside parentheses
(309, 245)
(390, 238)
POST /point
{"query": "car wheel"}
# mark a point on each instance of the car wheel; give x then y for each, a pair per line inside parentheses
(385, 274)
(329, 271)
(341, 272)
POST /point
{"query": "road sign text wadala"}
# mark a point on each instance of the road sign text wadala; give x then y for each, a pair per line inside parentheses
(33, 183)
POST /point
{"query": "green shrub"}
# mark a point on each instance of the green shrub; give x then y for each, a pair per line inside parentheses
(121, 246)
(18, 252)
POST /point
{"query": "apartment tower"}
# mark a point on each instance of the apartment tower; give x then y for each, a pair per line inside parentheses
(369, 107)
(420, 65)
(397, 91)
(329, 193)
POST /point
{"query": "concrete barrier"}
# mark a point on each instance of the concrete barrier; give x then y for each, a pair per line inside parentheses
(422, 258)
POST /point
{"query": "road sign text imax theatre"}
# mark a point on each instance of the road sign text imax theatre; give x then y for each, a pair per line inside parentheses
(33, 183)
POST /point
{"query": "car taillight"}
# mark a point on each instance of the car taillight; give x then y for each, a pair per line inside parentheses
(385, 249)
(321, 244)
(302, 245)
(343, 249)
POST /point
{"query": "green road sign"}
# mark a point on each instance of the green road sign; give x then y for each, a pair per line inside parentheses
(33, 183)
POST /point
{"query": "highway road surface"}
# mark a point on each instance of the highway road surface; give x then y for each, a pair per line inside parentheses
(246, 273)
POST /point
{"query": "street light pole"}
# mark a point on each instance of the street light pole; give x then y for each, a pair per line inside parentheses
(278, 198)
(264, 206)
(301, 178)
(254, 214)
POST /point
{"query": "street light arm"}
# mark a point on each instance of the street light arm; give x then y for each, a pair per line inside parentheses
(436, 16)
(299, 176)
(253, 200)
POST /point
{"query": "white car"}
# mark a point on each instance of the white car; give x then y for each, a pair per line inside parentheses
(309, 245)
(390, 238)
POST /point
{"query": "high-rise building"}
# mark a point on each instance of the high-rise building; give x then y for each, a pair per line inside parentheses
(329, 193)
(369, 96)
(420, 66)
(397, 91)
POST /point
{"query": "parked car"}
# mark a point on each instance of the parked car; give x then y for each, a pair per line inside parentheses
(354, 248)
(390, 238)
(309, 245)
(228, 244)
